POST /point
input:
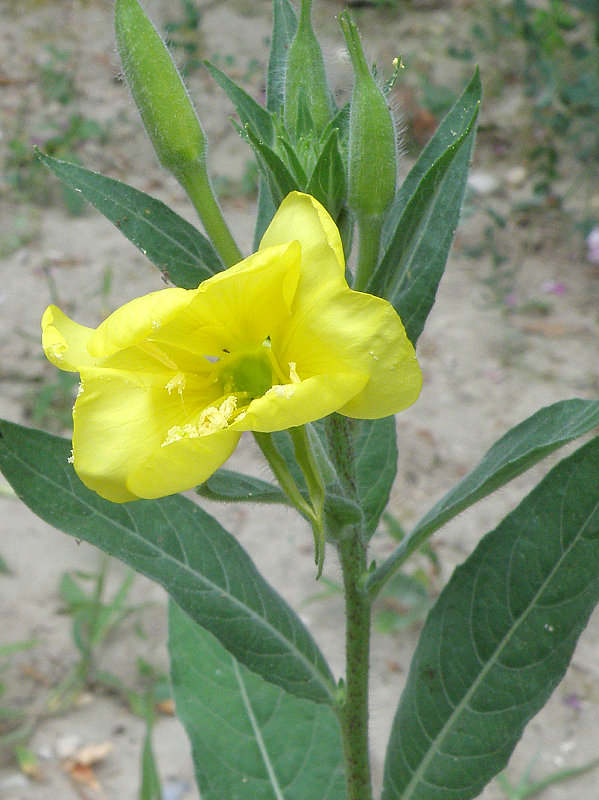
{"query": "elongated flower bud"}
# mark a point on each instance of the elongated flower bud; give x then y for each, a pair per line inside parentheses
(158, 91)
(372, 143)
(306, 87)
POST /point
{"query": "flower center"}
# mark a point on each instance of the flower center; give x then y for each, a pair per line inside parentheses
(246, 373)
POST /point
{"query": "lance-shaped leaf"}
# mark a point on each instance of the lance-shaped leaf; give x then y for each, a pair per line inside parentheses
(376, 466)
(234, 487)
(454, 125)
(183, 548)
(180, 251)
(284, 27)
(250, 740)
(266, 210)
(295, 165)
(499, 639)
(327, 182)
(279, 178)
(520, 448)
(413, 263)
(250, 112)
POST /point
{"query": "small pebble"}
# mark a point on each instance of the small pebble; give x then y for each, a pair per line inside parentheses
(483, 182)
(67, 745)
(174, 790)
(516, 176)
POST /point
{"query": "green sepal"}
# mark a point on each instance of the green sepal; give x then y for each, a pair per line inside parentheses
(372, 159)
(306, 87)
(158, 91)
(304, 125)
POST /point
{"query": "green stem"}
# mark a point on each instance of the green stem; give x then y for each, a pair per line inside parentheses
(281, 472)
(353, 714)
(197, 186)
(303, 452)
(305, 458)
(369, 242)
(341, 447)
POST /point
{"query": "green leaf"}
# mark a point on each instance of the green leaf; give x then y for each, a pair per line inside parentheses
(294, 164)
(513, 612)
(421, 234)
(180, 251)
(280, 180)
(520, 448)
(250, 740)
(266, 210)
(150, 787)
(234, 487)
(375, 449)
(327, 182)
(376, 466)
(283, 30)
(250, 112)
(456, 123)
(183, 548)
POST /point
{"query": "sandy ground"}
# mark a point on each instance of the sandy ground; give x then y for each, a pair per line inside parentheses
(486, 367)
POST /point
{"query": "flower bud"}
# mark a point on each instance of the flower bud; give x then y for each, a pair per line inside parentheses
(372, 144)
(158, 91)
(306, 87)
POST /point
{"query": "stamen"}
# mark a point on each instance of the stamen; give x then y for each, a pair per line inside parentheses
(212, 419)
(176, 382)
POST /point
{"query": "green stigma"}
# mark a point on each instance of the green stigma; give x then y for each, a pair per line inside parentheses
(246, 373)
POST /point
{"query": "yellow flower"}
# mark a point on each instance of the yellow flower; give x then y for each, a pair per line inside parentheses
(170, 380)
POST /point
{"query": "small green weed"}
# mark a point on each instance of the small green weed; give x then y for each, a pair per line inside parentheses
(15, 728)
(184, 37)
(95, 617)
(57, 80)
(407, 597)
(61, 131)
(526, 787)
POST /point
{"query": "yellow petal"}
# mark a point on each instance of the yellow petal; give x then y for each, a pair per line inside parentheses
(292, 404)
(121, 420)
(138, 320)
(238, 308)
(182, 464)
(304, 219)
(350, 331)
(65, 341)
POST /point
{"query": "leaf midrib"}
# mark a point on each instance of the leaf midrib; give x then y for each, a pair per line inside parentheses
(194, 256)
(492, 661)
(215, 588)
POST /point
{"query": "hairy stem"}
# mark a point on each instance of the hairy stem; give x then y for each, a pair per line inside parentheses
(354, 711)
